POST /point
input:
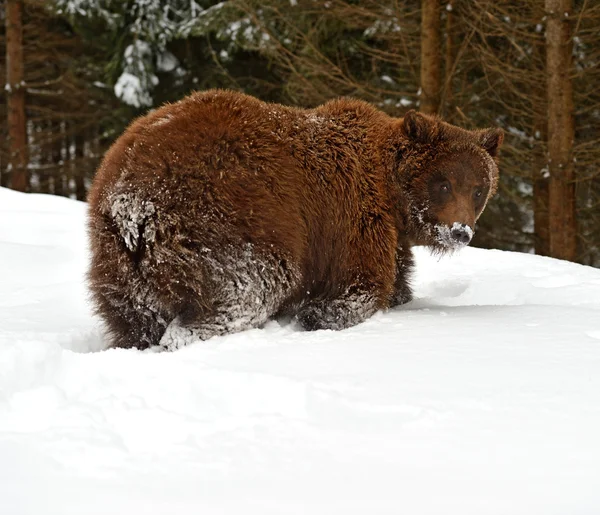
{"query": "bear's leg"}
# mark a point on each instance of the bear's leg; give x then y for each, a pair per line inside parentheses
(404, 267)
(246, 289)
(182, 331)
(128, 324)
(235, 314)
(179, 335)
(354, 306)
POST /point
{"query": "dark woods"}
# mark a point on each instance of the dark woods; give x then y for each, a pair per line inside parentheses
(78, 71)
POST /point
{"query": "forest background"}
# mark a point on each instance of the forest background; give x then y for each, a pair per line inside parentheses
(76, 72)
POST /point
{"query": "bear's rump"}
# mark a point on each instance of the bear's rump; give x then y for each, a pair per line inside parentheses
(154, 264)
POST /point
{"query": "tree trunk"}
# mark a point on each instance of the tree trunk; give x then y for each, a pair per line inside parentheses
(3, 155)
(79, 165)
(431, 56)
(540, 176)
(57, 159)
(449, 58)
(43, 173)
(561, 130)
(15, 91)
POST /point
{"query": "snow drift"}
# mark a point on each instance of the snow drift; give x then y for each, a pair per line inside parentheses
(482, 396)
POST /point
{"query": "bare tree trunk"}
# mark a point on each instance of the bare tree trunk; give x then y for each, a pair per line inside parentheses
(57, 159)
(3, 155)
(48, 156)
(540, 174)
(540, 179)
(68, 155)
(449, 58)
(431, 57)
(15, 90)
(43, 172)
(79, 164)
(561, 130)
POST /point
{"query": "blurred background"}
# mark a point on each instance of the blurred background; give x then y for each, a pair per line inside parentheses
(76, 72)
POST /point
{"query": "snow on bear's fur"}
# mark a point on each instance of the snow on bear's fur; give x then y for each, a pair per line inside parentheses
(211, 215)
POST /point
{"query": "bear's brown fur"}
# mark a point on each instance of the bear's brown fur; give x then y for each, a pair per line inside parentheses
(213, 214)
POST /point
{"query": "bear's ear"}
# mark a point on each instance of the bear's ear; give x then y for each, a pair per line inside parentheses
(490, 140)
(417, 127)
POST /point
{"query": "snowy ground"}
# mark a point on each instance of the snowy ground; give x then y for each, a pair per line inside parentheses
(480, 397)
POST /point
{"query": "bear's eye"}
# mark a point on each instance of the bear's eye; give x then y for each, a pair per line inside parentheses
(445, 187)
(478, 194)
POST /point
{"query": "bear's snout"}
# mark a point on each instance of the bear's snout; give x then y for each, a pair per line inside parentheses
(455, 236)
(461, 233)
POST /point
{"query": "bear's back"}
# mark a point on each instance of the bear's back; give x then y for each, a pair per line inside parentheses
(220, 167)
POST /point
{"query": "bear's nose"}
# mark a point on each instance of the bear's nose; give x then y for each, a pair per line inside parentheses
(462, 234)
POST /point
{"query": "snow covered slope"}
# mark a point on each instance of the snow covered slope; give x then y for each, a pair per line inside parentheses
(480, 397)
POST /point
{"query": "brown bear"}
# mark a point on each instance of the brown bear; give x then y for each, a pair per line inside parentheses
(213, 214)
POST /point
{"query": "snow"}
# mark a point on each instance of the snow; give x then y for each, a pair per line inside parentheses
(128, 88)
(480, 396)
(166, 62)
(130, 214)
(445, 235)
(382, 26)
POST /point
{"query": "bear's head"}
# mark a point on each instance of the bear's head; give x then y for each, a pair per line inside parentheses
(446, 175)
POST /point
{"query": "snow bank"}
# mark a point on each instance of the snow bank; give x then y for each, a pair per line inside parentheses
(482, 396)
